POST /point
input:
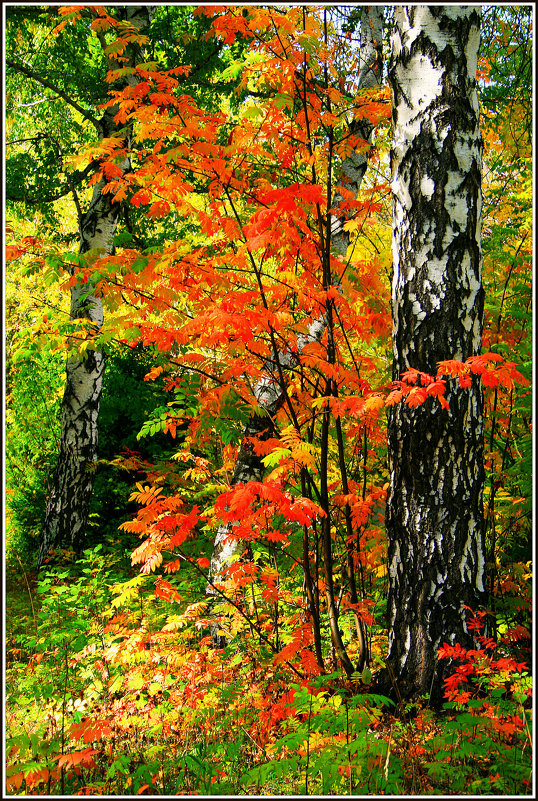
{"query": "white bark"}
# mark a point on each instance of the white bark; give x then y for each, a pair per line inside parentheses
(434, 505)
(72, 483)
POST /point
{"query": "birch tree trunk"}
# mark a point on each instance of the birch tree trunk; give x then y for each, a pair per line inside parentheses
(68, 504)
(434, 514)
(269, 392)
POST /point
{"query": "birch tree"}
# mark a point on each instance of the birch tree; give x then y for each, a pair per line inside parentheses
(434, 514)
(72, 483)
(59, 61)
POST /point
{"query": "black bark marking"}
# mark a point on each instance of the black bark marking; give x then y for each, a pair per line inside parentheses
(434, 511)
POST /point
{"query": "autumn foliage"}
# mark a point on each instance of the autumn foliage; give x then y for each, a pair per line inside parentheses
(243, 197)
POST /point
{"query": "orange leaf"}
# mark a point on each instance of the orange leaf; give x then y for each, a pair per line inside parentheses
(84, 757)
(416, 397)
(438, 388)
(394, 397)
(153, 373)
(14, 782)
(158, 209)
(91, 730)
(142, 196)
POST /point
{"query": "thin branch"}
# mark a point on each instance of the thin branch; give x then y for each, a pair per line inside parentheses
(229, 600)
(35, 76)
(69, 187)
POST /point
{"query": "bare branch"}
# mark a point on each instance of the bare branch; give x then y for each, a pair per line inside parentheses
(35, 76)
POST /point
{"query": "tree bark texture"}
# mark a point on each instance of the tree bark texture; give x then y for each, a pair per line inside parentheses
(354, 167)
(269, 392)
(434, 514)
(68, 504)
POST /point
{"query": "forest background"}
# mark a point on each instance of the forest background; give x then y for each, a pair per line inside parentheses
(218, 154)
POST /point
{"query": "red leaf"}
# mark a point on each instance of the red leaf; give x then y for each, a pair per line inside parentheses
(142, 196)
(91, 730)
(416, 397)
(437, 389)
(158, 209)
(84, 757)
(394, 397)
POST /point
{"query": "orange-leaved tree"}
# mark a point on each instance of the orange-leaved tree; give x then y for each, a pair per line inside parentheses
(266, 318)
(270, 327)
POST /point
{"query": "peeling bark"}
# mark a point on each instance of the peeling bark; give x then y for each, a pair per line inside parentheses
(434, 515)
(72, 482)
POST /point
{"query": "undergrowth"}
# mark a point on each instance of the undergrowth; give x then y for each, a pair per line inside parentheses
(104, 698)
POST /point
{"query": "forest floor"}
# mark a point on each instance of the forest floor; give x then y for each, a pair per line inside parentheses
(105, 696)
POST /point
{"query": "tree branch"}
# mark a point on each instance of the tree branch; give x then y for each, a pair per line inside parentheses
(69, 187)
(35, 76)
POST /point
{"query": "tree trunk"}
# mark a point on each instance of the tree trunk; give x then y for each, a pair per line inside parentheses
(434, 514)
(68, 504)
(249, 467)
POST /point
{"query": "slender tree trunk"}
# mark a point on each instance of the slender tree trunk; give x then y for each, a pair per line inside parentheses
(352, 172)
(270, 393)
(353, 168)
(68, 504)
(434, 515)
(249, 467)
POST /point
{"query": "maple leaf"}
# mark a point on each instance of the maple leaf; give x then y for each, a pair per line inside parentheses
(361, 608)
(13, 252)
(301, 637)
(490, 356)
(452, 367)
(437, 389)
(153, 373)
(70, 10)
(103, 23)
(71, 760)
(14, 782)
(394, 397)
(490, 378)
(274, 535)
(165, 590)
(411, 375)
(373, 403)
(121, 194)
(448, 651)
(184, 525)
(111, 170)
